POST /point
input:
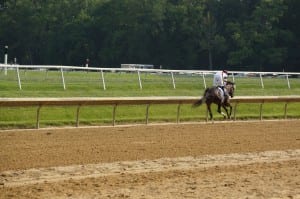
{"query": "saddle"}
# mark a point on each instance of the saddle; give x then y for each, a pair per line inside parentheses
(223, 93)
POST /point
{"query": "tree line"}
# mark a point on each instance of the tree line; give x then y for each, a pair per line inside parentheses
(261, 35)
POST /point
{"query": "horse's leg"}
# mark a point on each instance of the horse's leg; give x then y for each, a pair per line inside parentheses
(230, 109)
(219, 110)
(209, 111)
(228, 114)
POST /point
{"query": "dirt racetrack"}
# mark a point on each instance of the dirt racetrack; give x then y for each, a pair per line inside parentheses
(221, 160)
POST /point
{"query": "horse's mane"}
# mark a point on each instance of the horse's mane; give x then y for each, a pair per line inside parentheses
(229, 82)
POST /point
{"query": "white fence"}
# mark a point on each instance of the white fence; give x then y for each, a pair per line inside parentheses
(118, 101)
(201, 73)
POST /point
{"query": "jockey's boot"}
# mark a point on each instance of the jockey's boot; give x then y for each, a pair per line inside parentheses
(225, 94)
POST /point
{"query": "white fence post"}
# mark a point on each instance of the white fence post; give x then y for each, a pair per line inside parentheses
(261, 81)
(288, 81)
(173, 80)
(5, 59)
(63, 78)
(233, 80)
(140, 82)
(19, 80)
(103, 80)
(204, 82)
(233, 77)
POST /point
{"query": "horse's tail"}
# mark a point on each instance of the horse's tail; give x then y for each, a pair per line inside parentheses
(198, 103)
(202, 100)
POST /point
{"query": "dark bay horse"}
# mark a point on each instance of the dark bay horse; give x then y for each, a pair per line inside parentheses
(219, 97)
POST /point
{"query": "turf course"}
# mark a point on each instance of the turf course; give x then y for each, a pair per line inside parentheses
(89, 84)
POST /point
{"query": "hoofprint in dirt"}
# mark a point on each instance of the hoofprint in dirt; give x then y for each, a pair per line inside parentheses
(226, 160)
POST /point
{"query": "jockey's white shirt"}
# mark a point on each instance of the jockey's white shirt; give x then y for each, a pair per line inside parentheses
(220, 78)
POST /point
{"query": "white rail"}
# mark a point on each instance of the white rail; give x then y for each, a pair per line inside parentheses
(171, 72)
(117, 101)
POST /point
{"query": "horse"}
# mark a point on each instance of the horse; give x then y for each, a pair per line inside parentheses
(218, 96)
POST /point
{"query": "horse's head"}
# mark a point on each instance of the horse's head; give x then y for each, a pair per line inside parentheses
(230, 86)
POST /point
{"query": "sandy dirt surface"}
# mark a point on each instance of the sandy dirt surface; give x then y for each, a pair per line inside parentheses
(221, 160)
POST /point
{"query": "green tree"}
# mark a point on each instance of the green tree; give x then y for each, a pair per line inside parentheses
(210, 39)
(289, 24)
(179, 34)
(256, 38)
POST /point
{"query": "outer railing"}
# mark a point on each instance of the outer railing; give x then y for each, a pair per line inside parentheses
(202, 73)
(118, 101)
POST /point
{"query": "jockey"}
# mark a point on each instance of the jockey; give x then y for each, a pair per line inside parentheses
(220, 79)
